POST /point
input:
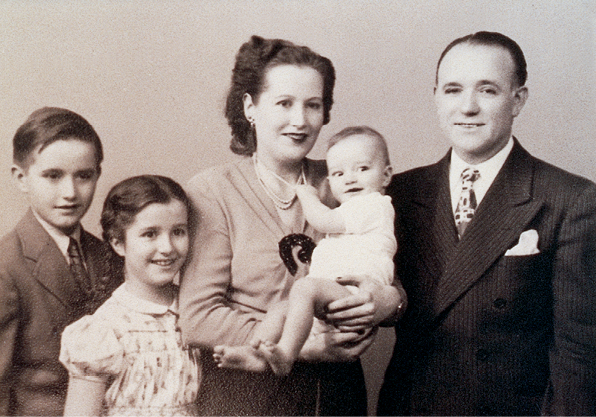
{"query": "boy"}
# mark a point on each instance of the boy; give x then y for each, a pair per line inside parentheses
(360, 242)
(52, 272)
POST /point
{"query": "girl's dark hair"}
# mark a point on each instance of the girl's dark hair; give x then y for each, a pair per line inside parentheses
(253, 60)
(127, 198)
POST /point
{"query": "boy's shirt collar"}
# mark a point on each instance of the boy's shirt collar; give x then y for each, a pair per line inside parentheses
(61, 239)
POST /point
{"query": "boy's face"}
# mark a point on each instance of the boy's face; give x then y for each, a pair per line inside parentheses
(60, 182)
(356, 167)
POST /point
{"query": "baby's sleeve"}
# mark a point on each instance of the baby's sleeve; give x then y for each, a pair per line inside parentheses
(91, 350)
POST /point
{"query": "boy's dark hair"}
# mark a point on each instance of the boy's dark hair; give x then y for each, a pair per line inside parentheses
(495, 39)
(48, 125)
(253, 60)
(127, 198)
(362, 130)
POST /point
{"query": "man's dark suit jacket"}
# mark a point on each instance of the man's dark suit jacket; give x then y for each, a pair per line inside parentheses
(485, 333)
(38, 298)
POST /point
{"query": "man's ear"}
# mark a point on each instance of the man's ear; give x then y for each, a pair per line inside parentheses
(19, 175)
(118, 246)
(249, 106)
(520, 97)
(387, 174)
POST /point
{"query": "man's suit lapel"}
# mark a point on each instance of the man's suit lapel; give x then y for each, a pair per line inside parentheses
(50, 268)
(501, 217)
(432, 211)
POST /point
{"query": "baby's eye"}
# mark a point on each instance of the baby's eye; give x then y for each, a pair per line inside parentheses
(337, 174)
(363, 168)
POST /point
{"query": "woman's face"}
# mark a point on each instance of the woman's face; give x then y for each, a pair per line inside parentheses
(288, 114)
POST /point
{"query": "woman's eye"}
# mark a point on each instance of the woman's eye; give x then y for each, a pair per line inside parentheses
(285, 103)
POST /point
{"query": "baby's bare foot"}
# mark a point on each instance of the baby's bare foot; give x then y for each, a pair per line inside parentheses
(280, 362)
(244, 358)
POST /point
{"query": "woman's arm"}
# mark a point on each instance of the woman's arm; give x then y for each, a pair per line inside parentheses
(321, 217)
(206, 317)
(84, 397)
(375, 304)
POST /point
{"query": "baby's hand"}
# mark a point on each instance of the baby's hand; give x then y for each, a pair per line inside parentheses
(306, 190)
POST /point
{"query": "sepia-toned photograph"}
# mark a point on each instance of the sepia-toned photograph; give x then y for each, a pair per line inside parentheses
(282, 207)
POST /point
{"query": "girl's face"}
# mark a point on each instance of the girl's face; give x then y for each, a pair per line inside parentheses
(156, 246)
(288, 114)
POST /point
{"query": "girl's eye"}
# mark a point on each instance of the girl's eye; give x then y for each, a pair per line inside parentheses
(180, 232)
(149, 234)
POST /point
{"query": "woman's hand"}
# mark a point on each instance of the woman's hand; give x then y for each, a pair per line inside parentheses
(336, 346)
(373, 304)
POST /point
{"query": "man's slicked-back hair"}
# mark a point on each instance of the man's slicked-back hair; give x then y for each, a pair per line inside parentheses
(495, 39)
(48, 125)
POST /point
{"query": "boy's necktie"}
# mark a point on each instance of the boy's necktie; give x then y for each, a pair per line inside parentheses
(77, 266)
(467, 200)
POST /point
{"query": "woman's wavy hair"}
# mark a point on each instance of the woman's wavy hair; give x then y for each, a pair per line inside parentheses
(253, 60)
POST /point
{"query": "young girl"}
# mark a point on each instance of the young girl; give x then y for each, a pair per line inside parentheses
(360, 242)
(128, 358)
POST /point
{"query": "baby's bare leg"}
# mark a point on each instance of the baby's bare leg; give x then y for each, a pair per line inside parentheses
(248, 357)
(308, 299)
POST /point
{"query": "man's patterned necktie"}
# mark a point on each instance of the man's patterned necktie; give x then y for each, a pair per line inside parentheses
(467, 200)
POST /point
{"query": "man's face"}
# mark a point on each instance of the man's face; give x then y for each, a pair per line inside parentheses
(477, 99)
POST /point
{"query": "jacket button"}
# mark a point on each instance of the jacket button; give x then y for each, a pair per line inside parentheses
(500, 303)
(482, 355)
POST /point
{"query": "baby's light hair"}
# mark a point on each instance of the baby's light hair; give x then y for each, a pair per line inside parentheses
(365, 131)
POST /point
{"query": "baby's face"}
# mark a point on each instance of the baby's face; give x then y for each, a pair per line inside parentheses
(356, 167)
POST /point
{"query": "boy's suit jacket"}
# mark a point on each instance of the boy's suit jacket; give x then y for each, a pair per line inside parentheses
(486, 333)
(38, 298)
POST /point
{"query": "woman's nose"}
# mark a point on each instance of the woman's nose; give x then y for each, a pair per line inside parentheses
(298, 116)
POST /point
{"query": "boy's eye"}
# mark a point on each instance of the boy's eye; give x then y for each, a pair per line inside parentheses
(314, 105)
(52, 175)
(86, 175)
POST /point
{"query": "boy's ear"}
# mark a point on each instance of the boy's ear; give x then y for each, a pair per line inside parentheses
(387, 174)
(19, 175)
(118, 246)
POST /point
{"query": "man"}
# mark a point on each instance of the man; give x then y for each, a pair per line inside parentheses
(499, 266)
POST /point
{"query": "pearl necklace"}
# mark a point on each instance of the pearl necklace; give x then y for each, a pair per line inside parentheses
(279, 202)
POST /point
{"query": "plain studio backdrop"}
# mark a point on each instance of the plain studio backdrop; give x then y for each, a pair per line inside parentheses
(152, 77)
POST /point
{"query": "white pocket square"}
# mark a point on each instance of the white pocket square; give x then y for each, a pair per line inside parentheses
(527, 245)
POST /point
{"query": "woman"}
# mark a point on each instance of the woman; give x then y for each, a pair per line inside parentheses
(280, 97)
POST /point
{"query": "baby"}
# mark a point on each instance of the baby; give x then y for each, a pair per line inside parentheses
(360, 242)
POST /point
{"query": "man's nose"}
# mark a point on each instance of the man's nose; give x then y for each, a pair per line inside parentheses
(469, 103)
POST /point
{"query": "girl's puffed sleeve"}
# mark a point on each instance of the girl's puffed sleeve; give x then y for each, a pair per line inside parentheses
(91, 350)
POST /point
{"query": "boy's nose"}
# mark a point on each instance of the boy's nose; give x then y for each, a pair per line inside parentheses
(68, 188)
